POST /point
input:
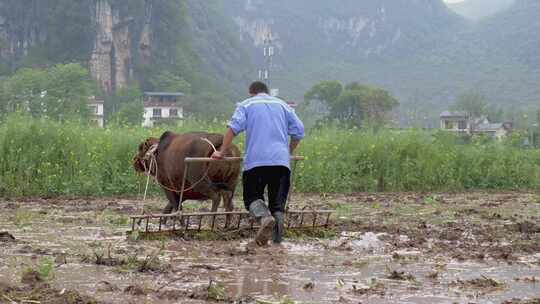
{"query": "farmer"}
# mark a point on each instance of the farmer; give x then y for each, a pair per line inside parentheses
(268, 122)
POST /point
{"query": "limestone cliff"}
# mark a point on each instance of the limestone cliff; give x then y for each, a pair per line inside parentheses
(20, 27)
(111, 59)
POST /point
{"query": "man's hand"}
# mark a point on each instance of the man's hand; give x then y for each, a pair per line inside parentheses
(217, 155)
(293, 145)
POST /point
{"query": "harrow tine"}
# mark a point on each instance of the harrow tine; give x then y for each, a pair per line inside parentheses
(327, 220)
(187, 222)
(288, 220)
(227, 218)
(295, 219)
(239, 220)
(213, 222)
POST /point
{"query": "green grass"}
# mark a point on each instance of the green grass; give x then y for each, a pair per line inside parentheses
(45, 268)
(112, 218)
(45, 158)
(25, 218)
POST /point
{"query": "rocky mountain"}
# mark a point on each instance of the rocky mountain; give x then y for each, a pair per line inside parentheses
(478, 9)
(420, 50)
(346, 40)
(123, 41)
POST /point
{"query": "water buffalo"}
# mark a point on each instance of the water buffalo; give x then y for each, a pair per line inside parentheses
(203, 181)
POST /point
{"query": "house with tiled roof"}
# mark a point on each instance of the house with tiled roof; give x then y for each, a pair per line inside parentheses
(463, 123)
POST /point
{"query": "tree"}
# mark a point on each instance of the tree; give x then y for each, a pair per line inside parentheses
(58, 92)
(68, 89)
(494, 113)
(377, 104)
(169, 82)
(355, 104)
(471, 102)
(126, 106)
(130, 94)
(24, 91)
(129, 114)
(325, 91)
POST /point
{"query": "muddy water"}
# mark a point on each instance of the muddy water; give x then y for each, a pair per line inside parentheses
(353, 268)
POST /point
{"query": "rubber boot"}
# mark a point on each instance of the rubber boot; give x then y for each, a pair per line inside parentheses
(277, 233)
(259, 210)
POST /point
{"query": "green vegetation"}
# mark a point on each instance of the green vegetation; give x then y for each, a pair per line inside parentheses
(112, 218)
(41, 157)
(59, 92)
(41, 272)
(355, 104)
(353, 160)
(45, 268)
(181, 54)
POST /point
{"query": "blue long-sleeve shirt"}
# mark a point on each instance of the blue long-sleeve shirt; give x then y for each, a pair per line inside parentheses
(268, 122)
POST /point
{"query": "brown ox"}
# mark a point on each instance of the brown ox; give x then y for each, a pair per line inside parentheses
(203, 181)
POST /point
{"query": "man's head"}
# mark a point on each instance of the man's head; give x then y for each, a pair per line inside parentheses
(257, 87)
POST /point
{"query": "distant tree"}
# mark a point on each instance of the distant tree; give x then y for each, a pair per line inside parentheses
(128, 95)
(378, 103)
(68, 89)
(169, 82)
(126, 106)
(130, 114)
(325, 91)
(3, 99)
(24, 91)
(494, 114)
(59, 92)
(471, 102)
(355, 104)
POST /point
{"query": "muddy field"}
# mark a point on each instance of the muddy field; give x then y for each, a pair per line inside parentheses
(387, 248)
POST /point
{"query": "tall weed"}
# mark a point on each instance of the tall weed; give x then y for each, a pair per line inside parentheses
(41, 157)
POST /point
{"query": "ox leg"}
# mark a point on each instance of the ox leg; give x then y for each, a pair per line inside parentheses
(174, 201)
(228, 205)
(228, 200)
(216, 199)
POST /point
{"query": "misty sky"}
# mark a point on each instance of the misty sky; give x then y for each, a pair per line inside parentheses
(453, 1)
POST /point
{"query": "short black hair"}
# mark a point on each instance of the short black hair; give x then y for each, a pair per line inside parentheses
(258, 87)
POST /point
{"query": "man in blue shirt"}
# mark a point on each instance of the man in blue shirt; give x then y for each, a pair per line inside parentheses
(269, 122)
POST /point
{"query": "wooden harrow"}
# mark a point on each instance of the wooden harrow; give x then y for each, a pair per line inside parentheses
(149, 224)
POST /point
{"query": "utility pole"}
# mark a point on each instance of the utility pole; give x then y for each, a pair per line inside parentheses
(265, 71)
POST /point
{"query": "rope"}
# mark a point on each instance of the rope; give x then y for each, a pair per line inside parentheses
(150, 154)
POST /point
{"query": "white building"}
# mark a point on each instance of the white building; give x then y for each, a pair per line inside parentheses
(462, 123)
(162, 107)
(96, 110)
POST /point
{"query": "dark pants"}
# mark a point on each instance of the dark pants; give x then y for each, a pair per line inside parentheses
(276, 178)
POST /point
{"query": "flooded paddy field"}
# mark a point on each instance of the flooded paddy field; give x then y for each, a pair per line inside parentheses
(382, 248)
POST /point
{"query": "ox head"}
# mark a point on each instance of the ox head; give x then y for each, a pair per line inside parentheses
(141, 161)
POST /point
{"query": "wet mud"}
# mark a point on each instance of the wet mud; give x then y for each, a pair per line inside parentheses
(384, 248)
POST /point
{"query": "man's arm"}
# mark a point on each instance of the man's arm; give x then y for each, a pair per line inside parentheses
(236, 125)
(227, 141)
(293, 145)
(295, 130)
